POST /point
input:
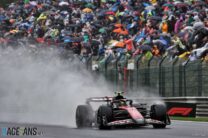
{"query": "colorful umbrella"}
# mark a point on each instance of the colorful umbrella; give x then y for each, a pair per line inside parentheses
(40, 40)
(34, 3)
(120, 13)
(168, 5)
(198, 25)
(89, 5)
(180, 5)
(102, 30)
(150, 8)
(63, 3)
(145, 48)
(14, 31)
(109, 13)
(124, 32)
(118, 30)
(111, 18)
(26, 1)
(87, 10)
(120, 44)
(112, 43)
(118, 25)
(158, 18)
(199, 3)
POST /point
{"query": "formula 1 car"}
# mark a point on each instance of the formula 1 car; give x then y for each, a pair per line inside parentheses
(120, 112)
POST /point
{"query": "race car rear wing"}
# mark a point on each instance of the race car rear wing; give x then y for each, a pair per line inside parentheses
(99, 99)
(105, 99)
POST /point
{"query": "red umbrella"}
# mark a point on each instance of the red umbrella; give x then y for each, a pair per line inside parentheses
(109, 13)
(40, 40)
(180, 5)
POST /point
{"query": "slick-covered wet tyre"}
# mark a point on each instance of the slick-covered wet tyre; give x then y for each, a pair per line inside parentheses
(159, 112)
(104, 116)
(84, 116)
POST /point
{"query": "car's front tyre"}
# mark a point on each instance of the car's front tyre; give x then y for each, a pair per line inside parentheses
(159, 112)
(84, 116)
(104, 115)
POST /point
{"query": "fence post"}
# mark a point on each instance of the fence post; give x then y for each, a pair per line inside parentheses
(88, 61)
(117, 73)
(106, 66)
(161, 90)
(126, 75)
(130, 75)
(184, 77)
(137, 69)
(173, 77)
(148, 71)
(180, 80)
(200, 83)
(125, 80)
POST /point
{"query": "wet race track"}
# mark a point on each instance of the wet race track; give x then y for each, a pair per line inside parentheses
(178, 129)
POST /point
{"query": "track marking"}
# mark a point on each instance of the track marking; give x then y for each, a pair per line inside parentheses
(199, 122)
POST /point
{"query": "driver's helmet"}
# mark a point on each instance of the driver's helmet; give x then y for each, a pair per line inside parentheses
(119, 95)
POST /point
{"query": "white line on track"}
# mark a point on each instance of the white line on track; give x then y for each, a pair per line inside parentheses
(190, 121)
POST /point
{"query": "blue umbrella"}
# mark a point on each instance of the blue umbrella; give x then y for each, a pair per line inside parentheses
(145, 4)
(120, 50)
(114, 8)
(67, 41)
(77, 39)
(141, 35)
(2, 18)
(145, 48)
(129, 26)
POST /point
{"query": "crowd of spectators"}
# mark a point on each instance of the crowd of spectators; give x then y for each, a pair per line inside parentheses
(109, 28)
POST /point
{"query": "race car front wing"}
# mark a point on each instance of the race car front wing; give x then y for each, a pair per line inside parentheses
(132, 122)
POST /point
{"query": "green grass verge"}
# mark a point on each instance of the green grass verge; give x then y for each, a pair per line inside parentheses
(201, 119)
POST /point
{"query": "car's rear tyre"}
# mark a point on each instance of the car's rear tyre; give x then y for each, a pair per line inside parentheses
(104, 115)
(159, 112)
(84, 116)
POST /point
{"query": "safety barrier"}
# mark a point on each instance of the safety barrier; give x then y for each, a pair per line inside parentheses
(200, 102)
(158, 75)
(181, 106)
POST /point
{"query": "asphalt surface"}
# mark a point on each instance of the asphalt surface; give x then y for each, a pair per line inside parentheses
(178, 129)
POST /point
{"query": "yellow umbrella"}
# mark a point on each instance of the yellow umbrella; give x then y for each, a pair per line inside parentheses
(14, 31)
(42, 17)
(112, 43)
(87, 10)
(184, 55)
